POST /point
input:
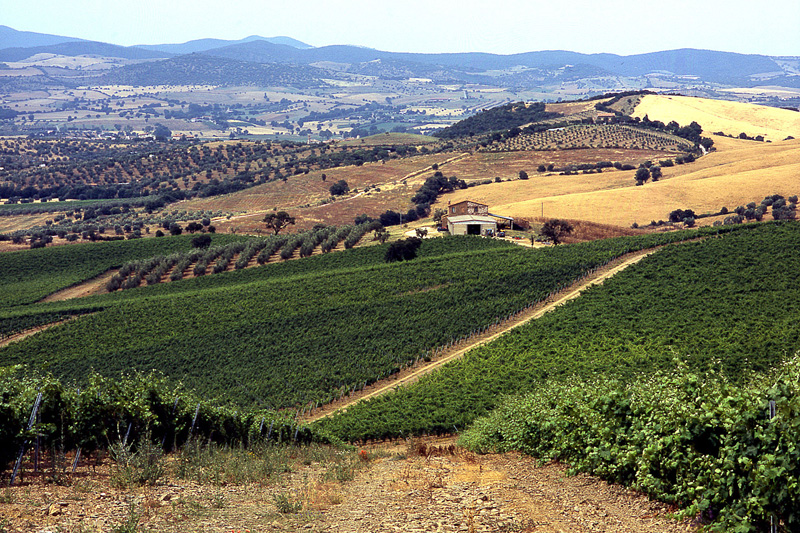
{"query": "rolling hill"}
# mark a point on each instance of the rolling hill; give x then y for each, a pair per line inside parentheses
(11, 38)
(731, 118)
(206, 70)
(738, 173)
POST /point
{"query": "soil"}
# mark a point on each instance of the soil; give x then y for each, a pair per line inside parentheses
(424, 486)
(90, 287)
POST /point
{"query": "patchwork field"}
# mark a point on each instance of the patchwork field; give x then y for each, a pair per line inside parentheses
(732, 118)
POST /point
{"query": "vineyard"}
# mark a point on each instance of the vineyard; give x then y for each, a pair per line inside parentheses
(27, 276)
(235, 256)
(711, 302)
(593, 136)
(723, 452)
(305, 332)
(60, 418)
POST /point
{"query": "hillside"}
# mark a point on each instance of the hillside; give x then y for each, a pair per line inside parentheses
(738, 173)
(77, 48)
(11, 38)
(197, 69)
(731, 118)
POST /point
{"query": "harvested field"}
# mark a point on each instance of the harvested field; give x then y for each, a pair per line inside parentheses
(740, 172)
(731, 118)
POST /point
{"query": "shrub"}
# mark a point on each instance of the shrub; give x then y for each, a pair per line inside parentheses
(201, 241)
(403, 250)
(145, 466)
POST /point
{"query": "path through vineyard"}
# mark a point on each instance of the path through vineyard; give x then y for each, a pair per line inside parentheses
(412, 374)
(422, 485)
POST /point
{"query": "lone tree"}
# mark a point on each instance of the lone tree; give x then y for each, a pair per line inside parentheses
(554, 229)
(642, 175)
(277, 221)
(339, 188)
(655, 173)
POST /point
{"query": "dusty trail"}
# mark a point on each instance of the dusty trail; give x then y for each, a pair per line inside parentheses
(411, 375)
(33, 331)
(90, 287)
(440, 487)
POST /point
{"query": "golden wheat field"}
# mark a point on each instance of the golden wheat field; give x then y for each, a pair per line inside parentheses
(738, 173)
(732, 118)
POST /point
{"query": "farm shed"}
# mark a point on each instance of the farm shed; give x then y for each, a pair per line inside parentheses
(471, 225)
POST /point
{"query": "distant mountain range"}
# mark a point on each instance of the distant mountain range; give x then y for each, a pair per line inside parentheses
(201, 45)
(515, 70)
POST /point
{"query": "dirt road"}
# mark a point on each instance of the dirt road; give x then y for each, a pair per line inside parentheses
(413, 374)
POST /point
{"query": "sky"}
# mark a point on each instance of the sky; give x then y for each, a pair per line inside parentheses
(770, 27)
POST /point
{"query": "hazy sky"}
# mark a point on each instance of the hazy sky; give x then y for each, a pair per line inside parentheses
(498, 26)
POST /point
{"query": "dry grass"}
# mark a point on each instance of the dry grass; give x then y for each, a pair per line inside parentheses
(740, 172)
(718, 115)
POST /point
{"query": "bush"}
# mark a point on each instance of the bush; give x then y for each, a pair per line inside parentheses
(403, 250)
(705, 444)
(201, 241)
(339, 188)
(145, 466)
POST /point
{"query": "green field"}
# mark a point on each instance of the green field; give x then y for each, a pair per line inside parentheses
(291, 333)
(729, 305)
(28, 276)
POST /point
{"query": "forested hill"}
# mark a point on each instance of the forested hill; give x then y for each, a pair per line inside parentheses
(497, 119)
(201, 69)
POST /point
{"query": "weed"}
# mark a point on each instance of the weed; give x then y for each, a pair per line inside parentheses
(145, 466)
(130, 524)
(287, 504)
(218, 501)
(7, 497)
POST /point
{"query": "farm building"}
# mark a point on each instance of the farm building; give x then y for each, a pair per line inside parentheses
(471, 225)
(467, 207)
(472, 218)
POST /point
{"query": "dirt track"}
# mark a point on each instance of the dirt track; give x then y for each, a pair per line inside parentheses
(411, 375)
(87, 288)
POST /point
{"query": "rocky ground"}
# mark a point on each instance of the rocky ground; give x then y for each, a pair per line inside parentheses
(427, 486)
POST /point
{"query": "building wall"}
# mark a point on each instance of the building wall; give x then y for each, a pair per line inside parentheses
(463, 228)
(468, 208)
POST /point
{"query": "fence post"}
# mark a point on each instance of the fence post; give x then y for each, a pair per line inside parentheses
(34, 413)
(773, 520)
(75, 462)
(196, 412)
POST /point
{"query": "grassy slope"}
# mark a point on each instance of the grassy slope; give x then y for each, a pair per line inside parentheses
(740, 172)
(729, 304)
(731, 118)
